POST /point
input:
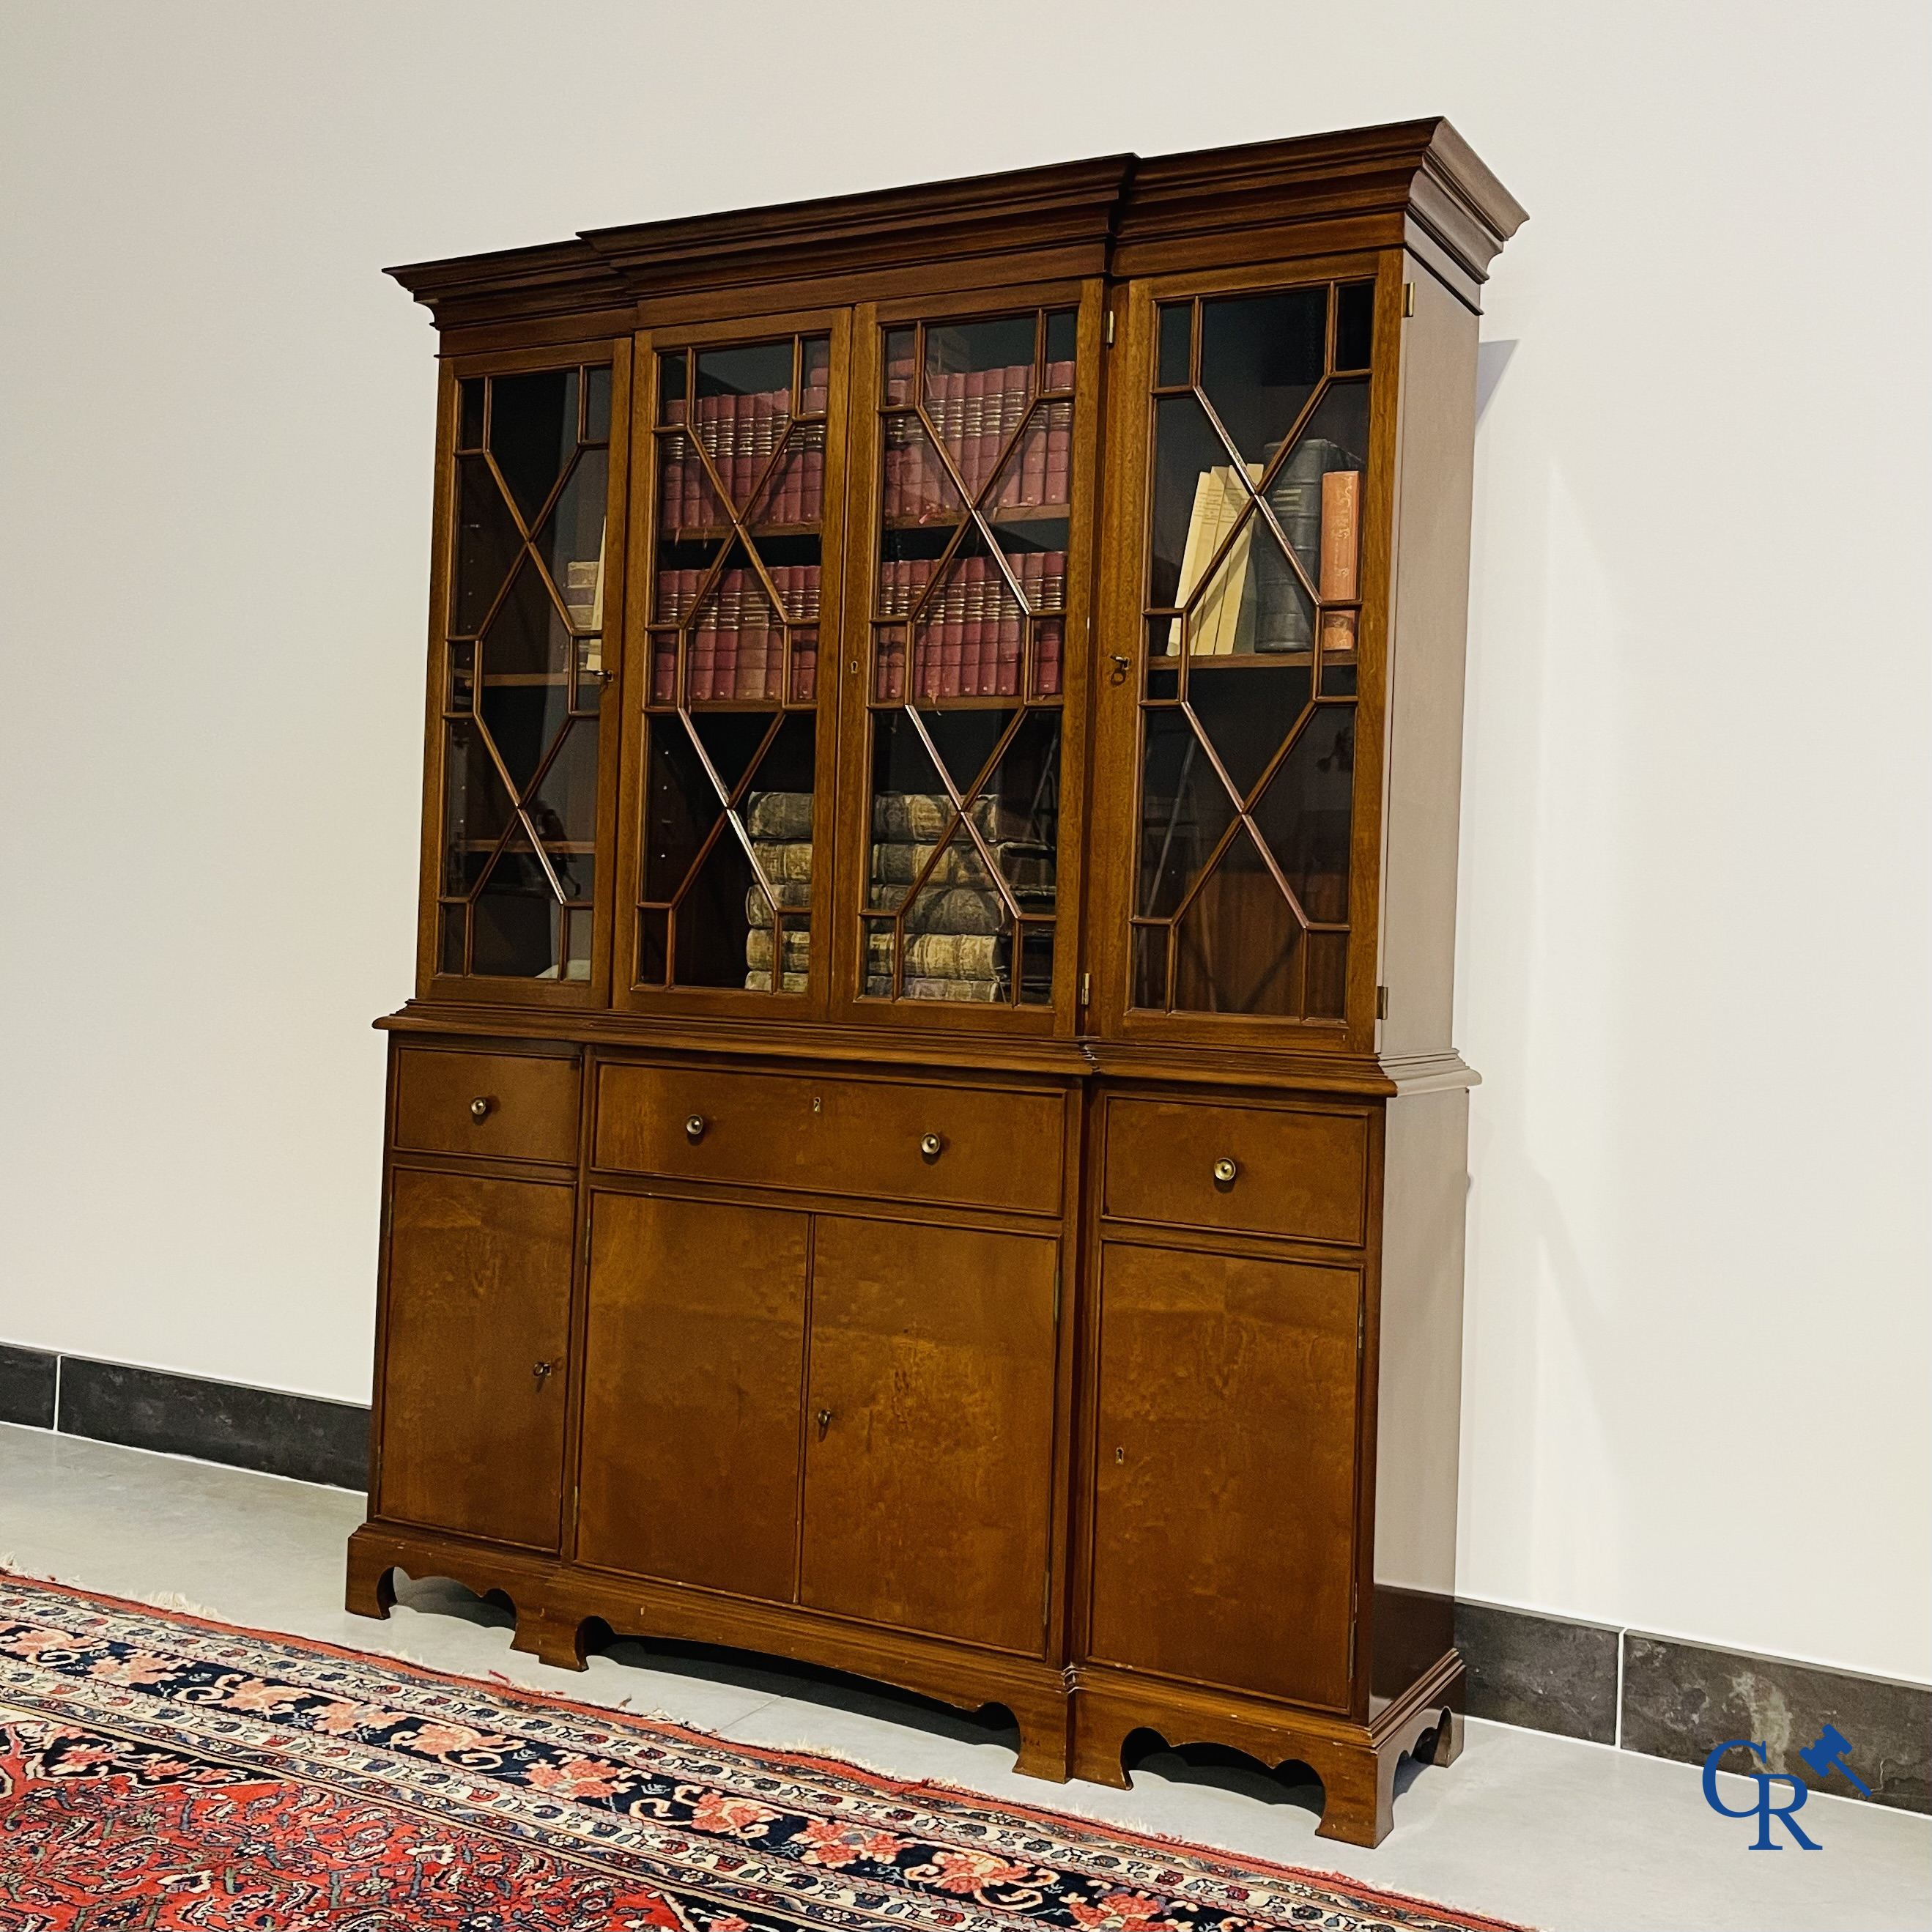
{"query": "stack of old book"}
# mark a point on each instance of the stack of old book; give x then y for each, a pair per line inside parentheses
(977, 412)
(740, 433)
(957, 942)
(779, 825)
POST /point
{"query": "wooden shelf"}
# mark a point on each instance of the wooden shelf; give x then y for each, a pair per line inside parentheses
(1249, 660)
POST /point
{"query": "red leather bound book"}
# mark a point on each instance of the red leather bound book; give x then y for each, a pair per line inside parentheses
(1047, 674)
(1007, 659)
(973, 651)
(811, 480)
(1059, 449)
(1032, 460)
(1059, 375)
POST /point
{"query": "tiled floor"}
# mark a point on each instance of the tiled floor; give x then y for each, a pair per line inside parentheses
(1528, 1827)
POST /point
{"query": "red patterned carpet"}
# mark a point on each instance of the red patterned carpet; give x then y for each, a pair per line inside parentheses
(160, 1772)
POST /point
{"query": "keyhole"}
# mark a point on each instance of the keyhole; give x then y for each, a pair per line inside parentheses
(1120, 1455)
(541, 1371)
(824, 1422)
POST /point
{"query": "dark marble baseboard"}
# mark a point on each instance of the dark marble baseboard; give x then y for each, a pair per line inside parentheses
(1682, 1700)
(1677, 1699)
(266, 1430)
(29, 1381)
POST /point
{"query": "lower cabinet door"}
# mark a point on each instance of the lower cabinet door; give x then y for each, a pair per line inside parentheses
(929, 1429)
(693, 1360)
(1224, 1477)
(473, 1371)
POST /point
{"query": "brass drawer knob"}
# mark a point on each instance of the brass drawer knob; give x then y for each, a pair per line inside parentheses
(479, 1109)
(1225, 1172)
(931, 1145)
(693, 1128)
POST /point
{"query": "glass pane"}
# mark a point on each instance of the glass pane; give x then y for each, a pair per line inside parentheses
(889, 667)
(979, 382)
(1185, 809)
(597, 406)
(671, 375)
(524, 715)
(476, 808)
(738, 644)
(731, 741)
(1063, 336)
(462, 678)
(1047, 636)
(681, 805)
(762, 945)
(533, 432)
(1355, 325)
(518, 922)
(564, 809)
(1316, 494)
(793, 490)
(1326, 995)
(1150, 966)
(1177, 326)
(1252, 601)
(686, 500)
(469, 413)
(1246, 713)
(948, 955)
(1238, 946)
(711, 923)
(916, 487)
(455, 936)
(487, 543)
(527, 636)
(653, 946)
(900, 369)
(1035, 964)
(1017, 809)
(968, 640)
(1261, 357)
(1197, 495)
(815, 375)
(1304, 815)
(742, 409)
(572, 540)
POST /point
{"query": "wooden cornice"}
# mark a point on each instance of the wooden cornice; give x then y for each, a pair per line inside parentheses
(1370, 187)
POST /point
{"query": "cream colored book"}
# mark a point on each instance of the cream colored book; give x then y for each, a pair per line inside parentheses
(1218, 503)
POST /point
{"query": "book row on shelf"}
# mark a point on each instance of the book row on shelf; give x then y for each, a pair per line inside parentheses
(737, 644)
(976, 413)
(969, 639)
(957, 927)
(1316, 497)
(741, 434)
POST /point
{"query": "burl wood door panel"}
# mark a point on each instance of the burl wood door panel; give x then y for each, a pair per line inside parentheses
(929, 1429)
(1299, 1172)
(995, 1147)
(1225, 1479)
(527, 1110)
(478, 1295)
(693, 1360)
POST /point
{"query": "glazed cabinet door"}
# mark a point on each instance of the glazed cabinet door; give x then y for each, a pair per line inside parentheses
(474, 1357)
(694, 1358)
(1252, 451)
(526, 595)
(929, 1429)
(1224, 1460)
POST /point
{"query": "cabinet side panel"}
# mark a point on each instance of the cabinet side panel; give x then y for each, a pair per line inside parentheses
(1428, 635)
(1419, 1399)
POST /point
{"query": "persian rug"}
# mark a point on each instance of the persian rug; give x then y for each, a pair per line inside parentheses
(160, 1771)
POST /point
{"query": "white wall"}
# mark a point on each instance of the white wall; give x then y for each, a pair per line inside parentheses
(1694, 944)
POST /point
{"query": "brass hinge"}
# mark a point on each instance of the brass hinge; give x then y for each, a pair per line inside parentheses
(1382, 1002)
(1086, 987)
(1408, 298)
(1110, 328)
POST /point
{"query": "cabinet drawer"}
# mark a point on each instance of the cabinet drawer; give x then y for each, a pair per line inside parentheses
(1298, 1172)
(529, 1110)
(995, 1148)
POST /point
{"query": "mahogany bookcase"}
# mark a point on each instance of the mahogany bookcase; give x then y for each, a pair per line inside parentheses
(927, 1139)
